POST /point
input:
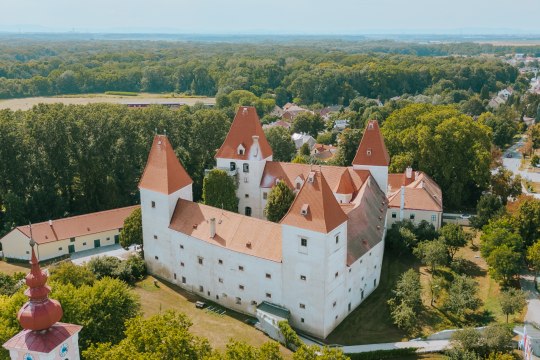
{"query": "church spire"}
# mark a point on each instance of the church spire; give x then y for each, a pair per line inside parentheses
(40, 312)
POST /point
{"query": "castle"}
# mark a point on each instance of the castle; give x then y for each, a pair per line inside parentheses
(313, 267)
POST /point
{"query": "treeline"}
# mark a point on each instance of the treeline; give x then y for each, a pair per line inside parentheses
(325, 73)
(61, 160)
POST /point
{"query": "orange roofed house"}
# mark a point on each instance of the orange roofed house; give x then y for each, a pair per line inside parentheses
(56, 238)
(313, 267)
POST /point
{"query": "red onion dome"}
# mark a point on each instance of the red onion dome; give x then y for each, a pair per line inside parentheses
(40, 312)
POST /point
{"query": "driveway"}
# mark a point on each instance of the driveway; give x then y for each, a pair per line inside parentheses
(533, 308)
(116, 250)
(513, 163)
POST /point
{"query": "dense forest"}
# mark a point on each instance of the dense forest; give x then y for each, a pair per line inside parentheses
(325, 72)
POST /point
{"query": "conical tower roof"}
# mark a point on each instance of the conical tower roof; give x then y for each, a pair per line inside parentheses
(372, 150)
(163, 172)
(315, 207)
(40, 312)
(246, 130)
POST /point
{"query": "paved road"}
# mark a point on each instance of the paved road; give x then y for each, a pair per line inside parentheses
(82, 257)
(533, 308)
(513, 163)
(421, 346)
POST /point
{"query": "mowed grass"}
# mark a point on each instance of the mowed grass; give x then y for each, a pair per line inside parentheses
(218, 329)
(371, 321)
(11, 269)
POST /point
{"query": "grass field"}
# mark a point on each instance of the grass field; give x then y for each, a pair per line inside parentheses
(10, 269)
(218, 329)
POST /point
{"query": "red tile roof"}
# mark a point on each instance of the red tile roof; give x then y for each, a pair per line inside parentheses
(42, 342)
(75, 226)
(235, 232)
(421, 192)
(163, 172)
(372, 150)
(346, 184)
(245, 125)
(323, 211)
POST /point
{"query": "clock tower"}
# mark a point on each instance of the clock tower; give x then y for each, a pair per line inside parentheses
(43, 337)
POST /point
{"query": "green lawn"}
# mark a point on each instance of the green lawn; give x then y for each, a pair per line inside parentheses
(10, 269)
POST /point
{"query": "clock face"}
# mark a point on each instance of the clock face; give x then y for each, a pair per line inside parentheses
(64, 350)
(28, 357)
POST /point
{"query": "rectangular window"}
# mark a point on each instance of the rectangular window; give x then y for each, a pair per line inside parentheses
(246, 167)
(220, 280)
(240, 267)
(411, 217)
(238, 300)
(200, 260)
(220, 262)
(265, 195)
(303, 277)
(394, 215)
(302, 306)
(72, 239)
(337, 239)
(241, 287)
(156, 257)
(433, 218)
(155, 237)
(182, 264)
(84, 243)
(201, 288)
(60, 248)
(181, 246)
(246, 196)
(253, 302)
(268, 295)
(268, 276)
(183, 279)
(303, 242)
(350, 307)
(174, 276)
(334, 304)
(336, 275)
(153, 204)
(301, 320)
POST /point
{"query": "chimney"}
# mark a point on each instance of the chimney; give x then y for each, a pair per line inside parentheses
(255, 139)
(402, 204)
(408, 172)
(212, 227)
(50, 223)
(245, 111)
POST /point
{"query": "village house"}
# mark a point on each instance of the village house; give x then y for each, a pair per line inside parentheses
(301, 139)
(57, 238)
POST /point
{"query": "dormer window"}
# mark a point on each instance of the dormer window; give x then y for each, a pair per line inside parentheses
(298, 186)
(370, 126)
(299, 181)
(368, 152)
(311, 177)
(241, 150)
(304, 210)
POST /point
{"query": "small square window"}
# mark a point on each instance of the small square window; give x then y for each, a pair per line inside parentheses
(181, 246)
(156, 257)
(182, 264)
(153, 204)
(200, 260)
(241, 268)
(110, 238)
(238, 300)
(336, 317)
(301, 320)
(268, 295)
(246, 196)
(302, 306)
(72, 239)
(220, 262)
(241, 287)
(84, 243)
(155, 237)
(268, 276)
(411, 217)
(201, 288)
(253, 302)
(303, 277)
(183, 279)
(394, 215)
(334, 304)
(220, 280)
(28, 252)
(303, 242)
(265, 195)
(336, 274)
(60, 248)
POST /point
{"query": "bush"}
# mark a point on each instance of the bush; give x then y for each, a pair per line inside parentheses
(121, 93)
(130, 270)
(383, 354)
(292, 341)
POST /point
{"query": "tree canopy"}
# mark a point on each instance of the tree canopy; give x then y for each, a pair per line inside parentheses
(219, 190)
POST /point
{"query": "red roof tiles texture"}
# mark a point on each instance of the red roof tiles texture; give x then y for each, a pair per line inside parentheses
(324, 213)
(75, 226)
(245, 125)
(372, 150)
(421, 192)
(42, 342)
(163, 172)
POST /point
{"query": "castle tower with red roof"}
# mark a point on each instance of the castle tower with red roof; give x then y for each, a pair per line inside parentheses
(43, 337)
(372, 155)
(244, 154)
(163, 182)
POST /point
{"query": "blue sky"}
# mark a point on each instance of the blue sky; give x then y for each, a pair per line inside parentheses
(273, 16)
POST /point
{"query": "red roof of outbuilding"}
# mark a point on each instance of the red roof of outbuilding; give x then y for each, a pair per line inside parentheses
(163, 172)
(245, 125)
(315, 207)
(372, 150)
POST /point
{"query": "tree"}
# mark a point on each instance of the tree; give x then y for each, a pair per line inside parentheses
(162, 336)
(493, 339)
(132, 233)
(407, 301)
(219, 190)
(512, 301)
(488, 207)
(462, 296)
(281, 143)
(453, 237)
(500, 232)
(533, 256)
(535, 160)
(279, 201)
(314, 352)
(10, 284)
(527, 220)
(304, 150)
(103, 266)
(505, 185)
(308, 123)
(348, 143)
(432, 253)
(68, 273)
(292, 341)
(504, 263)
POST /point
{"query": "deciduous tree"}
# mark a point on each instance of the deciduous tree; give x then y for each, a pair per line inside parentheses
(219, 190)
(132, 233)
